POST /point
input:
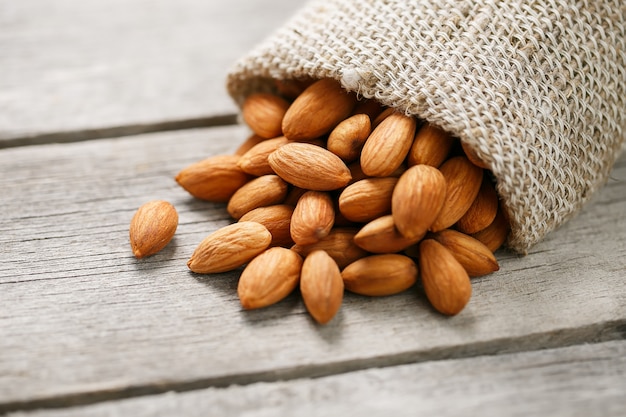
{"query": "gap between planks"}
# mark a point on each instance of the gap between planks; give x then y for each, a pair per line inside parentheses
(596, 333)
(120, 131)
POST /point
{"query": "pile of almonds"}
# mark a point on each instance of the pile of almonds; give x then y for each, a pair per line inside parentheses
(333, 193)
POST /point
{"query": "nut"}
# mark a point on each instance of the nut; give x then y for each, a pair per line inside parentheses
(463, 180)
(321, 286)
(309, 166)
(213, 179)
(431, 146)
(382, 236)
(388, 145)
(482, 212)
(339, 244)
(276, 219)
(269, 277)
(317, 110)
(417, 200)
(367, 199)
(348, 137)
(262, 191)
(264, 113)
(379, 275)
(229, 247)
(446, 283)
(254, 161)
(152, 227)
(313, 218)
(472, 254)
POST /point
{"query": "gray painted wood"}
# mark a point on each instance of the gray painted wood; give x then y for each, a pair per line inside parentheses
(74, 65)
(83, 321)
(585, 380)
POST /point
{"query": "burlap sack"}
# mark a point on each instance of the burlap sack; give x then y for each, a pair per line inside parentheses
(536, 87)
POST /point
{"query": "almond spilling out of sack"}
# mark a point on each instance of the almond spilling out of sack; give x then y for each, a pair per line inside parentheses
(356, 196)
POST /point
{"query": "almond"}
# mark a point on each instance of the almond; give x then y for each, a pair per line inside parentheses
(152, 227)
(260, 192)
(379, 275)
(473, 255)
(254, 161)
(308, 166)
(463, 180)
(417, 200)
(367, 199)
(293, 195)
(229, 247)
(348, 137)
(339, 244)
(382, 116)
(494, 235)
(276, 219)
(431, 146)
(264, 113)
(387, 146)
(213, 179)
(446, 283)
(291, 89)
(483, 210)
(321, 286)
(473, 156)
(269, 278)
(313, 218)
(317, 110)
(382, 236)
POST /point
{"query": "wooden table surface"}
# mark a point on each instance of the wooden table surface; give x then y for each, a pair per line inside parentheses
(101, 104)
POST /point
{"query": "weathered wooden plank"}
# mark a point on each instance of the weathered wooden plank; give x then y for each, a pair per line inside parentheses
(83, 321)
(73, 65)
(583, 380)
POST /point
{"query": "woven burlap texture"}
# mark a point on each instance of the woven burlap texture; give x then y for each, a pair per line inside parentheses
(536, 88)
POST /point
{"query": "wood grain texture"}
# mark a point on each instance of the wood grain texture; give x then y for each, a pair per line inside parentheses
(83, 321)
(585, 380)
(73, 65)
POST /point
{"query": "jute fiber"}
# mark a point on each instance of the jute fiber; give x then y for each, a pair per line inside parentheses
(536, 87)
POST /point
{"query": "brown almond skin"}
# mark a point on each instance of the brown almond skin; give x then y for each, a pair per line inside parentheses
(463, 180)
(431, 146)
(254, 161)
(380, 275)
(313, 218)
(494, 235)
(382, 236)
(290, 89)
(382, 116)
(417, 200)
(213, 179)
(229, 247)
(446, 283)
(321, 286)
(317, 110)
(293, 195)
(339, 244)
(388, 145)
(260, 192)
(472, 254)
(308, 166)
(152, 227)
(473, 157)
(482, 212)
(348, 137)
(264, 113)
(367, 199)
(269, 277)
(276, 219)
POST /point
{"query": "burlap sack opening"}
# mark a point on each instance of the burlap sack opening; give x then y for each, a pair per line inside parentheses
(536, 88)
